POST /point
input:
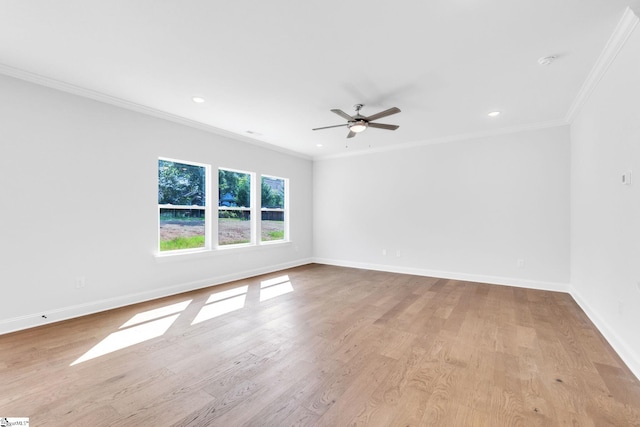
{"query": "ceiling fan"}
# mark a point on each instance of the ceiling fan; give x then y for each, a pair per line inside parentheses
(359, 123)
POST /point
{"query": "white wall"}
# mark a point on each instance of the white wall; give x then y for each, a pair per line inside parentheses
(79, 198)
(605, 215)
(466, 209)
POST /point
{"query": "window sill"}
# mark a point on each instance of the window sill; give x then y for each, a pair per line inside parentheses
(189, 254)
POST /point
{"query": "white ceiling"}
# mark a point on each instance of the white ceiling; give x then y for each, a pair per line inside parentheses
(277, 67)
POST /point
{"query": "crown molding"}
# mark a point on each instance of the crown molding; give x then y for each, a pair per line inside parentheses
(451, 138)
(620, 35)
(624, 29)
(139, 108)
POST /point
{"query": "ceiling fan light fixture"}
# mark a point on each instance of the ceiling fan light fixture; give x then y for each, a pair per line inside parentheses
(359, 123)
(358, 126)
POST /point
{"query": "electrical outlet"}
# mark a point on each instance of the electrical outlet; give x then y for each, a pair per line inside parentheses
(80, 282)
(384, 252)
(520, 263)
(398, 253)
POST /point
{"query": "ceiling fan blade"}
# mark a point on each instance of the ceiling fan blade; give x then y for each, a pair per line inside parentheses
(342, 114)
(383, 126)
(381, 114)
(334, 126)
(351, 134)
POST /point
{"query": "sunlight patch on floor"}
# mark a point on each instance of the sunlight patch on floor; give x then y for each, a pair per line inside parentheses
(219, 296)
(275, 287)
(155, 323)
(157, 313)
(127, 337)
(222, 303)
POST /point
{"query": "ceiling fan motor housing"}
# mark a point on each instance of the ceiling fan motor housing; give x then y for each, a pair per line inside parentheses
(358, 125)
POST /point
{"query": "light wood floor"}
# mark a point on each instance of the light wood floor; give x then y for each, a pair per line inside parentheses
(331, 347)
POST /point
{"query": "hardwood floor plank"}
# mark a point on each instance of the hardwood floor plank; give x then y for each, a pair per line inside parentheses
(273, 399)
(301, 416)
(354, 397)
(382, 405)
(343, 347)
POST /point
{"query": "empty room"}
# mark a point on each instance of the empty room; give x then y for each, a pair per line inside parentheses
(320, 213)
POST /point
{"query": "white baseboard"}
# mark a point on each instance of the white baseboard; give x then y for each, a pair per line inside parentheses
(630, 357)
(64, 313)
(493, 280)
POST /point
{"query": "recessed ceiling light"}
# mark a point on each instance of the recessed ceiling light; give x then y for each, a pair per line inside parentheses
(197, 99)
(547, 60)
(318, 145)
(494, 114)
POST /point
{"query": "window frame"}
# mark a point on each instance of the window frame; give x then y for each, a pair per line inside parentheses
(206, 207)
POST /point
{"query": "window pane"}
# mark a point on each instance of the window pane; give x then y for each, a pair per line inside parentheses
(181, 184)
(272, 216)
(234, 226)
(234, 202)
(272, 226)
(181, 229)
(234, 189)
(272, 193)
(182, 205)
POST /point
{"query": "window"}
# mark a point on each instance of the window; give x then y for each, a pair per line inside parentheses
(273, 221)
(235, 225)
(182, 205)
(185, 217)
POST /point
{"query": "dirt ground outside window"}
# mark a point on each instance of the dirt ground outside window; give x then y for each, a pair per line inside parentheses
(229, 231)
